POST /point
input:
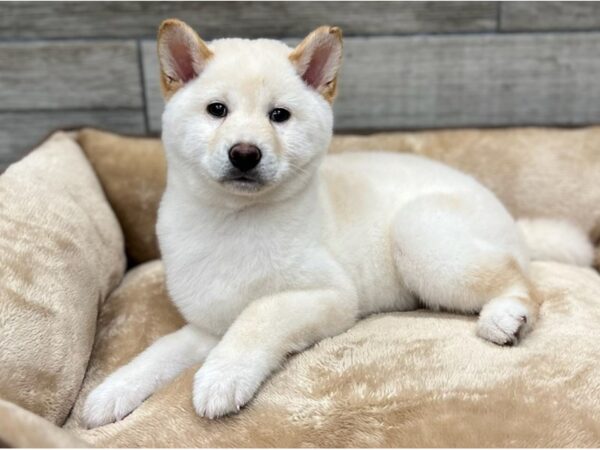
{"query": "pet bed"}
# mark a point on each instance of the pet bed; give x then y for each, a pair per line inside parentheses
(82, 292)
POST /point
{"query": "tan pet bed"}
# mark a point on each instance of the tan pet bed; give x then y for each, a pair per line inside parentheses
(80, 209)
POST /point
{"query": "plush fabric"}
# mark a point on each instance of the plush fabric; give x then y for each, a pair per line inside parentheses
(61, 253)
(536, 172)
(132, 172)
(22, 428)
(402, 379)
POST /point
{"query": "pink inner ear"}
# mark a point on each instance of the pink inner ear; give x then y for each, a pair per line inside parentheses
(182, 59)
(315, 73)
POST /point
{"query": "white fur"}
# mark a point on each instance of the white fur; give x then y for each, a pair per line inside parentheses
(324, 242)
(502, 320)
(124, 390)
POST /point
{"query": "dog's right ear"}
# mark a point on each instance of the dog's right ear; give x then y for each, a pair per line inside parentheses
(318, 58)
(182, 55)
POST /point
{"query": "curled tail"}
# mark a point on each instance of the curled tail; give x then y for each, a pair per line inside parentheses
(556, 240)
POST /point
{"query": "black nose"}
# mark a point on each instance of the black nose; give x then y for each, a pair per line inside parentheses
(244, 156)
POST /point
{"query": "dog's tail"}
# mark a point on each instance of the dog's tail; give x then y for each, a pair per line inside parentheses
(556, 240)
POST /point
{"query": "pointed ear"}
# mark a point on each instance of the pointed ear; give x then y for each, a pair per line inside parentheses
(182, 55)
(318, 58)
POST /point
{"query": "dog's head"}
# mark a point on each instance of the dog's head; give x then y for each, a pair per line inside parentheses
(247, 117)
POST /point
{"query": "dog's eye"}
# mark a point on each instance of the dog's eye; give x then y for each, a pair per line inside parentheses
(279, 115)
(217, 109)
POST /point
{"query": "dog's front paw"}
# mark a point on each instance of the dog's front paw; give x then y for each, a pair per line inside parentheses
(223, 386)
(112, 400)
(503, 321)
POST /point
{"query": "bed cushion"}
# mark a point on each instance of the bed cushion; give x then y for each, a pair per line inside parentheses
(61, 253)
(536, 172)
(132, 171)
(20, 428)
(405, 379)
(413, 379)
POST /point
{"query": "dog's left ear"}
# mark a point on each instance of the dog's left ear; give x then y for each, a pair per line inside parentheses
(318, 59)
(181, 53)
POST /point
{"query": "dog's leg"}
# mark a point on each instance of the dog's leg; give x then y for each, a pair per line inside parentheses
(259, 340)
(125, 389)
(465, 255)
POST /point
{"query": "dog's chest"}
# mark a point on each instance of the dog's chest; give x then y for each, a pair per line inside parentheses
(214, 270)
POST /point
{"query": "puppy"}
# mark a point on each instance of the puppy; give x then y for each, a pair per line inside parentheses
(270, 246)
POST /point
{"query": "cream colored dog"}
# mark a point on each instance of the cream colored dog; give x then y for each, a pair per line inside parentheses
(269, 246)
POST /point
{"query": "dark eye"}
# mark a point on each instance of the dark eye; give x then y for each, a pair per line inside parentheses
(217, 109)
(279, 115)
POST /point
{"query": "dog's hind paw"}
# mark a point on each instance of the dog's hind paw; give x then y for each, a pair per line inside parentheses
(503, 321)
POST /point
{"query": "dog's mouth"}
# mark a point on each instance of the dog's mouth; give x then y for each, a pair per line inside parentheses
(244, 182)
(244, 179)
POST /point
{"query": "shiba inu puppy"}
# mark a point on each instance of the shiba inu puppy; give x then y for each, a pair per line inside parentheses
(270, 246)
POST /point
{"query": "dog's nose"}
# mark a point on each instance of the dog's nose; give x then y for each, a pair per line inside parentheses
(244, 156)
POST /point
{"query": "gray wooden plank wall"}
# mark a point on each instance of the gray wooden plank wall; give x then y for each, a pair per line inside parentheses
(408, 65)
